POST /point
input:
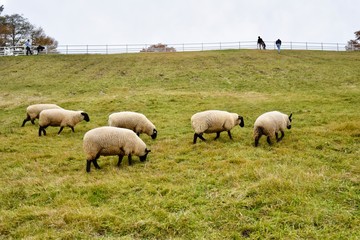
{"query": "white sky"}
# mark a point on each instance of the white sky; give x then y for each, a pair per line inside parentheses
(190, 21)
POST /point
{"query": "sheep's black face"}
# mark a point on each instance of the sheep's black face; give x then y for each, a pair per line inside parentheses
(242, 124)
(86, 116)
(289, 122)
(154, 135)
(143, 158)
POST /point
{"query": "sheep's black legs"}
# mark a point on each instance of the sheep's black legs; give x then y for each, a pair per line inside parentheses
(61, 128)
(25, 120)
(282, 135)
(217, 135)
(88, 165)
(94, 161)
(257, 137)
(129, 159)
(42, 129)
(120, 160)
(268, 140)
(198, 136)
(229, 133)
(72, 129)
(257, 141)
(195, 137)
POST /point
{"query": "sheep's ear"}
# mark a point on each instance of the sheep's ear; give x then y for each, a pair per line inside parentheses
(147, 150)
(290, 117)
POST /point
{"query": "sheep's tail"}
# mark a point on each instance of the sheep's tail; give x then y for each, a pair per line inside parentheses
(258, 132)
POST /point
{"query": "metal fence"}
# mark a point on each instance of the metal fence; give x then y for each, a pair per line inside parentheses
(179, 47)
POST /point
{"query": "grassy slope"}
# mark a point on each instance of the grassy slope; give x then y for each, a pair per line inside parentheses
(306, 186)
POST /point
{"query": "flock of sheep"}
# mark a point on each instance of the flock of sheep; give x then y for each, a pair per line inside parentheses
(121, 137)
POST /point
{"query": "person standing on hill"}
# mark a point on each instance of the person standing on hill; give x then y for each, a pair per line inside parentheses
(278, 45)
(260, 43)
(28, 47)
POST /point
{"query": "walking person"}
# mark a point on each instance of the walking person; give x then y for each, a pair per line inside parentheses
(278, 45)
(260, 43)
(28, 47)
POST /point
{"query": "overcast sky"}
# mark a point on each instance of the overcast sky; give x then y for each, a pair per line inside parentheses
(190, 21)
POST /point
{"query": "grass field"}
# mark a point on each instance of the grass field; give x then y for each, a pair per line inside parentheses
(304, 187)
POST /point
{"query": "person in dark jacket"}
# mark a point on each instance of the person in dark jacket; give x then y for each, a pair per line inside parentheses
(260, 42)
(278, 45)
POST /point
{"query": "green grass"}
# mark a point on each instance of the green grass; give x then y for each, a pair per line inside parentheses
(304, 187)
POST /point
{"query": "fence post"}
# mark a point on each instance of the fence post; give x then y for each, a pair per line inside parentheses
(239, 45)
(87, 49)
(202, 46)
(291, 45)
(67, 49)
(107, 49)
(220, 45)
(322, 49)
(306, 46)
(337, 46)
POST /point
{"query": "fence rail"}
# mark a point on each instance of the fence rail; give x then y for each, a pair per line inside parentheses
(179, 47)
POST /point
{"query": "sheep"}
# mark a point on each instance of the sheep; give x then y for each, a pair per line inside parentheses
(214, 121)
(137, 122)
(110, 141)
(269, 124)
(33, 111)
(61, 118)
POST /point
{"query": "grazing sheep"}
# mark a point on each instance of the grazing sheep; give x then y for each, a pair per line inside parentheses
(269, 124)
(33, 111)
(62, 118)
(214, 121)
(110, 141)
(137, 122)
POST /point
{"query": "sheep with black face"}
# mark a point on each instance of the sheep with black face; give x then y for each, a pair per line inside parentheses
(33, 111)
(135, 121)
(60, 118)
(214, 121)
(269, 124)
(110, 141)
